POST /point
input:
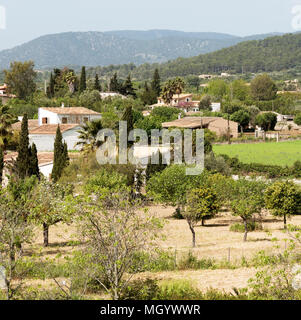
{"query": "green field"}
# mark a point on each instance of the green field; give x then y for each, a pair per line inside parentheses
(271, 153)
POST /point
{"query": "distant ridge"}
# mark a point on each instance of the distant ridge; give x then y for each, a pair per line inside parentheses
(117, 47)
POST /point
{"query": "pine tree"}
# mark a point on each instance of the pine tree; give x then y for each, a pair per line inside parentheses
(23, 159)
(1, 166)
(83, 80)
(34, 162)
(97, 85)
(114, 83)
(151, 169)
(60, 160)
(156, 83)
(127, 88)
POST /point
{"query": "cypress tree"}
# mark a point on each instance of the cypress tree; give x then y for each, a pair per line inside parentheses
(83, 80)
(34, 162)
(60, 160)
(156, 83)
(23, 159)
(51, 86)
(128, 117)
(97, 85)
(1, 166)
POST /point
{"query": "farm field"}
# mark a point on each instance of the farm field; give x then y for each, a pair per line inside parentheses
(214, 241)
(269, 153)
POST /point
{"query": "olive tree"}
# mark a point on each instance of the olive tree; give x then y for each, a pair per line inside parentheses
(201, 204)
(47, 206)
(283, 199)
(247, 200)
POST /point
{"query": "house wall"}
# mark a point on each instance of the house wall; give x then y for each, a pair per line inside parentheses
(220, 127)
(45, 142)
(54, 118)
(46, 169)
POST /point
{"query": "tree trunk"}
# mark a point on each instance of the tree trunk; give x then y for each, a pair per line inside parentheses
(193, 235)
(46, 234)
(284, 220)
(203, 222)
(246, 230)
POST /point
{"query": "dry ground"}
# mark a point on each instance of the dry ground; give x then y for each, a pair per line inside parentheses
(213, 241)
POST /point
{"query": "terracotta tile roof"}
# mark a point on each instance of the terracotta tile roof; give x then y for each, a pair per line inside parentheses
(72, 110)
(51, 128)
(196, 122)
(32, 124)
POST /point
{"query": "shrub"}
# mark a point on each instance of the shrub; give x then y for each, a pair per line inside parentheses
(140, 290)
(191, 262)
(239, 227)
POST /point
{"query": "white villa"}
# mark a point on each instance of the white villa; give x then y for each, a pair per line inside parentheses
(69, 120)
(62, 115)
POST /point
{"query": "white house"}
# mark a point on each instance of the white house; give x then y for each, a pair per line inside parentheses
(43, 136)
(216, 106)
(62, 115)
(105, 95)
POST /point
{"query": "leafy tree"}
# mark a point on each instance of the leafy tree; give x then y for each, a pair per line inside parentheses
(89, 98)
(201, 204)
(60, 160)
(166, 113)
(240, 90)
(297, 119)
(97, 85)
(253, 112)
(48, 206)
(20, 79)
(263, 88)
(242, 117)
(247, 200)
(205, 103)
(217, 88)
(283, 199)
(6, 120)
(83, 80)
(170, 186)
(23, 159)
(267, 121)
(156, 83)
(114, 235)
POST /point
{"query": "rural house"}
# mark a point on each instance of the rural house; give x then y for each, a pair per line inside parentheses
(214, 124)
(62, 115)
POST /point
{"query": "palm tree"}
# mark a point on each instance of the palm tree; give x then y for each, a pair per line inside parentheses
(6, 120)
(88, 136)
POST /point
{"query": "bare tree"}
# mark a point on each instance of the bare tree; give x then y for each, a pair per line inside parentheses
(115, 231)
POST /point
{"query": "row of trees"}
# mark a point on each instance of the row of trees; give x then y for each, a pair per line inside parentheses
(200, 198)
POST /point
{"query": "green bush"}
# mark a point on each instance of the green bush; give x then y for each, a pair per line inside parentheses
(140, 290)
(239, 227)
(191, 262)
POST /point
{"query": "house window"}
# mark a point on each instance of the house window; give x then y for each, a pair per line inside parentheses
(86, 119)
(77, 119)
(64, 120)
(44, 120)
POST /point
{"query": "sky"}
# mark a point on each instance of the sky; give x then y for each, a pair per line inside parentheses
(27, 20)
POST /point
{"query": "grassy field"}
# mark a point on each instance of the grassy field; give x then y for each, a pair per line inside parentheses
(270, 153)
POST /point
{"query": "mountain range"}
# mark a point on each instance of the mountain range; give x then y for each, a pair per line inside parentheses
(118, 47)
